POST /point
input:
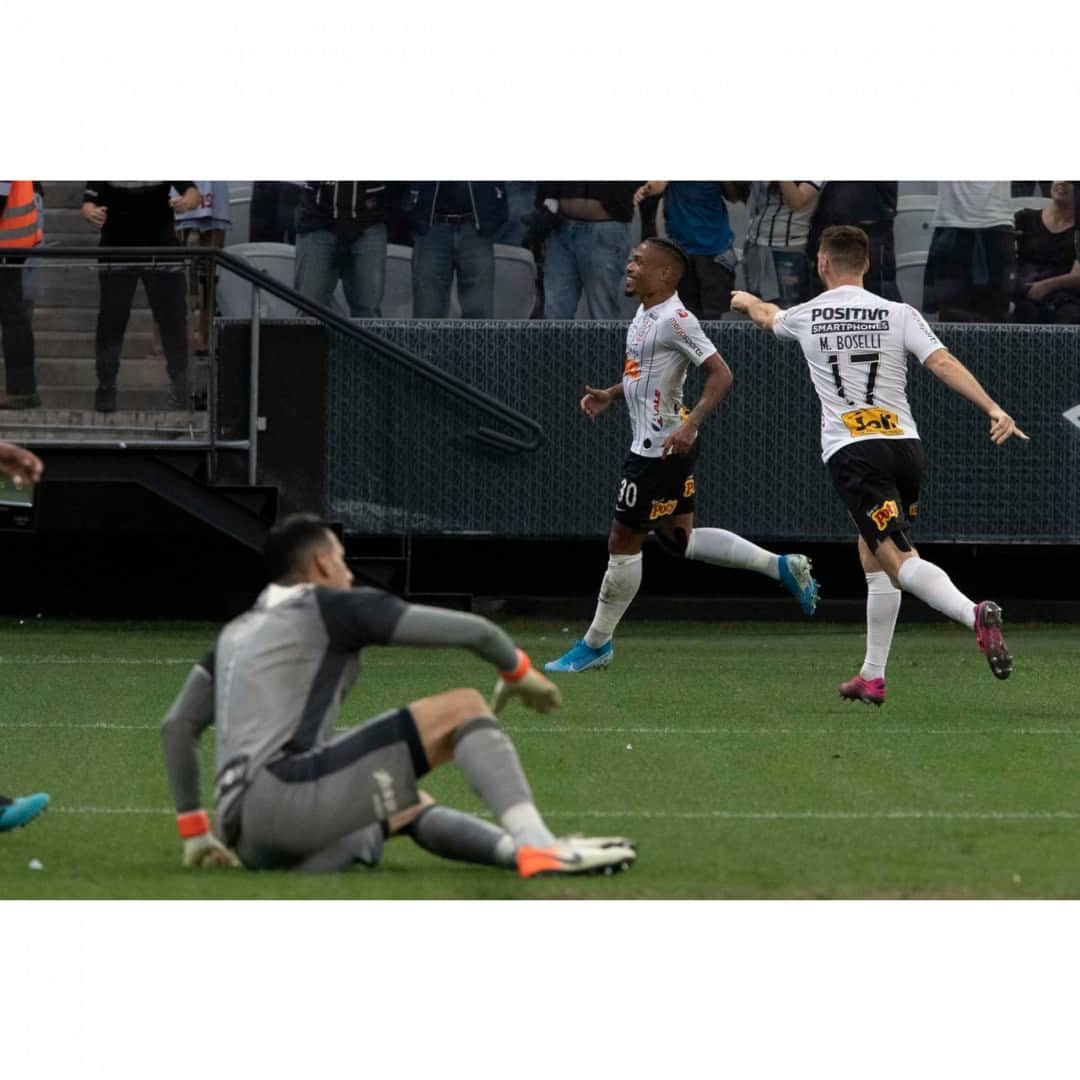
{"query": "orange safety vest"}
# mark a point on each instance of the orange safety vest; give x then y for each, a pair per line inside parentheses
(20, 220)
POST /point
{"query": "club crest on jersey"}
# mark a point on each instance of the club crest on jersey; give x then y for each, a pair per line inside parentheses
(883, 514)
(632, 369)
(662, 507)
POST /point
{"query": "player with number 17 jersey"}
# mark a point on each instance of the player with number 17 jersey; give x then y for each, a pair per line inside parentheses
(856, 345)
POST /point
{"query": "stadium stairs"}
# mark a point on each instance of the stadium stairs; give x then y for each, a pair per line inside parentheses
(93, 457)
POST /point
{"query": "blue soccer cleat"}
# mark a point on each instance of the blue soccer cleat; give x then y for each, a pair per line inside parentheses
(582, 657)
(18, 812)
(796, 578)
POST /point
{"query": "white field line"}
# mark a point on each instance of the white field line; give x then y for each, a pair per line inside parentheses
(709, 815)
(102, 661)
(739, 732)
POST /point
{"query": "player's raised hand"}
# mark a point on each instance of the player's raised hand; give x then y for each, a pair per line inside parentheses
(594, 402)
(19, 464)
(681, 439)
(1002, 426)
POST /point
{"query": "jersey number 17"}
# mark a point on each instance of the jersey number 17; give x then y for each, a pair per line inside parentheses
(870, 358)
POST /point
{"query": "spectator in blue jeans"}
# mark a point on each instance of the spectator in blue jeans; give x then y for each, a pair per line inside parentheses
(454, 222)
(341, 235)
(587, 249)
(520, 202)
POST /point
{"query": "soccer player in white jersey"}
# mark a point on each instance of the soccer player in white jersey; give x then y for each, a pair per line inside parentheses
(856, 345)
(656, 492)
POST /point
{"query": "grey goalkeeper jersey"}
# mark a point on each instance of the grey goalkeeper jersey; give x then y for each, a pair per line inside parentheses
(278, 673)
(275, 681)
(283, 669)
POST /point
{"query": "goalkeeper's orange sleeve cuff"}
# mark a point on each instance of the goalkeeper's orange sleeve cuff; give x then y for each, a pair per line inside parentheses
(194, 823)
(524, 665)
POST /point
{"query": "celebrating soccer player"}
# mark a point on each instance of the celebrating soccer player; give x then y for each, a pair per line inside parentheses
(656, 492)
(856, 345)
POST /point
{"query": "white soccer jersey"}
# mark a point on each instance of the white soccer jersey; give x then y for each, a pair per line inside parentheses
(660, 343)
(856, 344)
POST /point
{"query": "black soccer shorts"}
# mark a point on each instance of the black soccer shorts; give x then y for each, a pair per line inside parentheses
(879, 482)
(654, 490)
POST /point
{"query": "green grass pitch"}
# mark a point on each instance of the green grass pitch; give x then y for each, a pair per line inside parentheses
(722, 749)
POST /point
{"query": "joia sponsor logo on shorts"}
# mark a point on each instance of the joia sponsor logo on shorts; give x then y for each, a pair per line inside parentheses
(883, 514)
(657, 421)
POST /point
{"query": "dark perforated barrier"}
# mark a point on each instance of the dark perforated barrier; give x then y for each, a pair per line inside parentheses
(405, 458)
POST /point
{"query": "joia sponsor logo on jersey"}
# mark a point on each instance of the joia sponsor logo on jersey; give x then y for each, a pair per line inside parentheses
(840, 320)
(657, 421)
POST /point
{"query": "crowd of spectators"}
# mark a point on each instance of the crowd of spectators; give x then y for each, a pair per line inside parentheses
(987, 259)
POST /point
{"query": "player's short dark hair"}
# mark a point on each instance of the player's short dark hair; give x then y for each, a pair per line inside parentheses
(674, 252)
(847, 246)
(290, 543)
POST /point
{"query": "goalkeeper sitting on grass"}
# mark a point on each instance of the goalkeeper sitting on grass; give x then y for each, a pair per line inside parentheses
(292, 795)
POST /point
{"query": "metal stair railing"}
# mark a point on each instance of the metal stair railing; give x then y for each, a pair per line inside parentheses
(526, 435)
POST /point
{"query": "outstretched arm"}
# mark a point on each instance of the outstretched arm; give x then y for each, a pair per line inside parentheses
(423, 625)
(956, 377)
(188, 717)
(762, 313)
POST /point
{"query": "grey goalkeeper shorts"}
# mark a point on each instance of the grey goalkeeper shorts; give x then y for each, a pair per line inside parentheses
(301, 805)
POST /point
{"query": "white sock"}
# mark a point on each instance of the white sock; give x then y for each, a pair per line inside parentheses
(723, 548)
(882, 607)
(524, 823)
(617, 591)
(933, 586)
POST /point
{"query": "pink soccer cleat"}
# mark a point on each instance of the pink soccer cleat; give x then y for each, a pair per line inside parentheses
(872, 691)
(991, 643)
